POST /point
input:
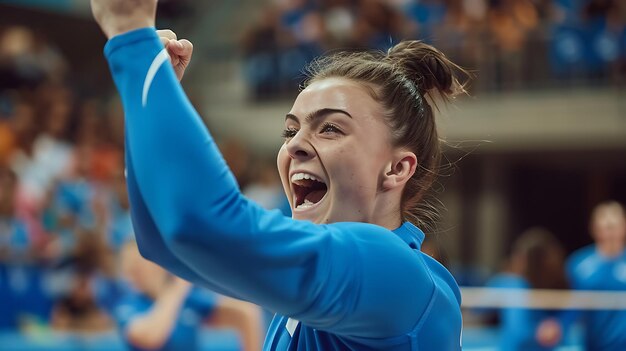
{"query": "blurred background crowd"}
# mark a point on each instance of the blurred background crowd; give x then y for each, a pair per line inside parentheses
(64, 215)
(511, 43)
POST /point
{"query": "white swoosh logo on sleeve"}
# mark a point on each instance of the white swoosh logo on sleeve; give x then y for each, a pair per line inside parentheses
(158, 61)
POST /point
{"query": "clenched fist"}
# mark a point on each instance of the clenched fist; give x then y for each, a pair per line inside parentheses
(180, 50)
(120, 16)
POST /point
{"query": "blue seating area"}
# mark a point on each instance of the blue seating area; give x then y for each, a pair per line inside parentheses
(211, 340)
(590, 49)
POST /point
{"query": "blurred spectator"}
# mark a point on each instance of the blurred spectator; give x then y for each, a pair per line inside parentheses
(510, 22)
(378, 26)
(509, 42)
(260, 52)
(537, 262)
(78, 311)
(14, 248)
(116, 213)
(26, 59)
(265, 189)
(21, 159)
(279, 46)
(7, 141)
(426, 16)
(53, 147)
(86, 271)
(294, 32)
(340, 17)
(44, 155)
(97, 176)
(606, 33)
(14, 240)
(22, 286)
(163, 312)
(100, 137)
(71, 205)
(602, 266)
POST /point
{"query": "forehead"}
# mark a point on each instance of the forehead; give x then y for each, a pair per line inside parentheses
(338, 93)
(609, 217)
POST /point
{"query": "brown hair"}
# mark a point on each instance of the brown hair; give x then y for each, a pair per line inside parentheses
(8, 184)
(406, 80)
(540, 259)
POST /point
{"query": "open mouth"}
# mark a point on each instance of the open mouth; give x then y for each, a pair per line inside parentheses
(308, 189)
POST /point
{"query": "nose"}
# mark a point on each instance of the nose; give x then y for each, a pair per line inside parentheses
(299, 147)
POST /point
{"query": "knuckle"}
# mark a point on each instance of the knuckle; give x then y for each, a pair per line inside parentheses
(168, 33)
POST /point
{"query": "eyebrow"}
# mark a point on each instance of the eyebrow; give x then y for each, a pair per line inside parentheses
(317, 114)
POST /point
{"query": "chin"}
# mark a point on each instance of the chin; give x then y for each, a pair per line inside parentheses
(307, 216)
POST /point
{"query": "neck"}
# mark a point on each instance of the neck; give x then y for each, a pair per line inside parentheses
(610, 250)
(387, 212)
(391, 224)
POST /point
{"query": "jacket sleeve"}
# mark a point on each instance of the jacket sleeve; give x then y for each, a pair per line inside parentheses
(348, 278)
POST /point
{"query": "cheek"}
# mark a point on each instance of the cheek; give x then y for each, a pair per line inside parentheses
(353, 170)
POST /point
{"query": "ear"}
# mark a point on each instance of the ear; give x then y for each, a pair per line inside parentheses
(400, 170)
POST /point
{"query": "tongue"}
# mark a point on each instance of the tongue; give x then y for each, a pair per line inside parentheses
(315, 196)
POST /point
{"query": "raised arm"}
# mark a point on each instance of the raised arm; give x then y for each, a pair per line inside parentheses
(347, 278)
(151, 329)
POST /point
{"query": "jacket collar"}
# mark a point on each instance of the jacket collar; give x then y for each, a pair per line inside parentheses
(411, 234)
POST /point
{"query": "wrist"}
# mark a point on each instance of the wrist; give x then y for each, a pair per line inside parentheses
(177, 289)
(121, 27)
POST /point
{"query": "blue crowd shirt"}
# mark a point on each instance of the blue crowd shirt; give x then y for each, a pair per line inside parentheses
(518, 326)
(340, 286)
(14, 278)
(14, 238)
(589, 270)
(75, 197)
(198, 305)
(120, 228)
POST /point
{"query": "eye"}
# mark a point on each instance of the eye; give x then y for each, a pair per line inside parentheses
(329, 128)
(289, 133)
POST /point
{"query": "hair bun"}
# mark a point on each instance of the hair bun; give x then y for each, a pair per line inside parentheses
(428, 68)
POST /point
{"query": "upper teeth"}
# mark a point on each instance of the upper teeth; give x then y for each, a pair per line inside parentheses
(300, 176)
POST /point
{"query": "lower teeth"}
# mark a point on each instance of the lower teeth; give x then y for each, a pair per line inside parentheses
(306, 203)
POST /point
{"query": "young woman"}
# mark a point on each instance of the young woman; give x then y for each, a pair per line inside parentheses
(361, 149)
